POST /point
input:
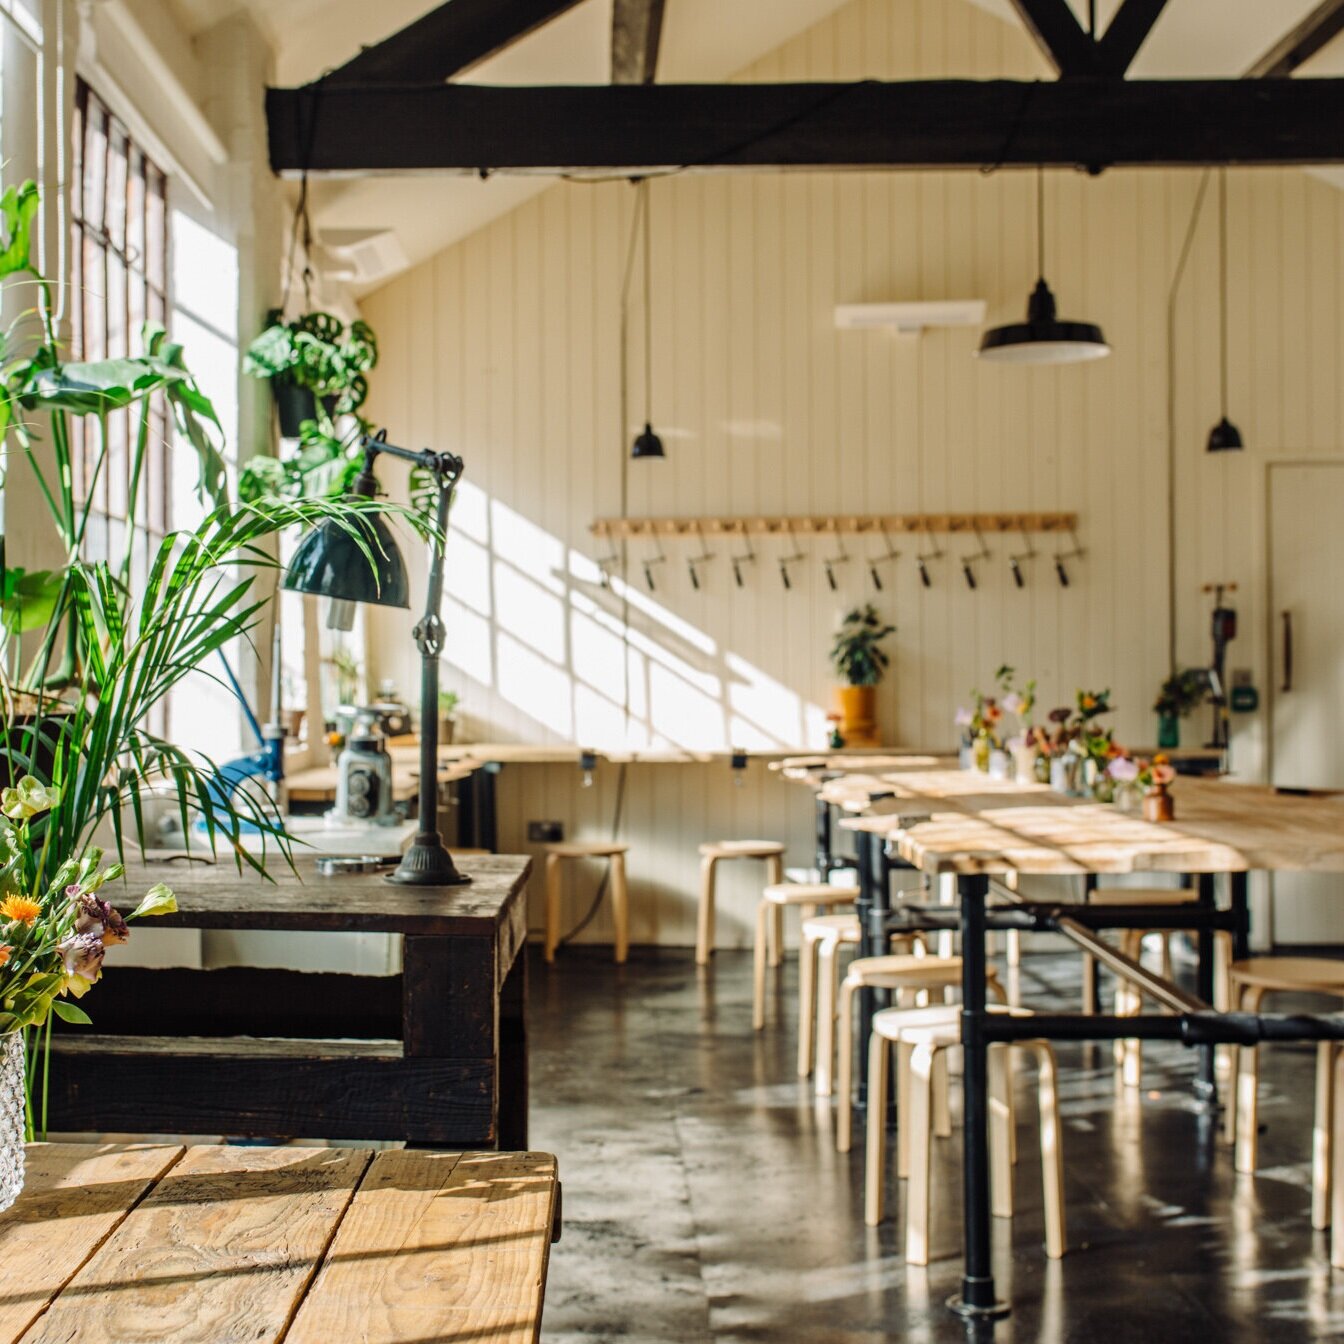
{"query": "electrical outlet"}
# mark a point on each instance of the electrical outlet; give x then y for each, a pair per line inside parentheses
(545, 832)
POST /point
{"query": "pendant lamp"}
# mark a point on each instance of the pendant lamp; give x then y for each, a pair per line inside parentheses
(1224, 437)
(647, 444)
(1043, 338)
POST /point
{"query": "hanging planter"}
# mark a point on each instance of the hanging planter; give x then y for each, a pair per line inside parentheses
(294, 405)
(858, 657)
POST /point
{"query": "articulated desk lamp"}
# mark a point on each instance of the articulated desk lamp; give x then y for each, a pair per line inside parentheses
(332, 562)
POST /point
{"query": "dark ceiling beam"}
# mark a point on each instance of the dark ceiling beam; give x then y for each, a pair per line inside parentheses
(1125, 34)
(636, 30)
(1301, 43)
(448, 41)
(1055, 29)
(1089, 123)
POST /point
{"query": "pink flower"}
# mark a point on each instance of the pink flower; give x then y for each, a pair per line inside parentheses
(964, 718)
(1163, 774)
(1013, 702)
(82, 954)
(1124, 769)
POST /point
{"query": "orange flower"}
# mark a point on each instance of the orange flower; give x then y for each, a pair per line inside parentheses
(1161, 758)
(19, 909)
(5, 950)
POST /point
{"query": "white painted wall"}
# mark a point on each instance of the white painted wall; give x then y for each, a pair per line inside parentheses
(505, 348)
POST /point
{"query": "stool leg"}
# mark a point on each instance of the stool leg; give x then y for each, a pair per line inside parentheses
(704, 930)
(942, 1112)
(807, 1003)
(1322, 1165)
(1052, 1149)
(1014, 945)
(1233, 1077)
(827, 958)
(1248, 1090)
(874, 1180)
(775, 945)
(758, 967)
(1337, 1181)
(903, 1053)
(552, 905)
(917, 1188)
(844, 1086)
(1089, 984)
(620, 907)
(1000, 1140)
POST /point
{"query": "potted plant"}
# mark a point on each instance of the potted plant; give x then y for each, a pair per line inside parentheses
(1079, 747)
(1181, 693)
(858, 657)
(315, 366)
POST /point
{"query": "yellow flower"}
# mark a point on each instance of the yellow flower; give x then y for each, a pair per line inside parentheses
(19, 909)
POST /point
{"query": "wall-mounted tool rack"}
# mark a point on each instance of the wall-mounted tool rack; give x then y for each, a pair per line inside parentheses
(814, 524)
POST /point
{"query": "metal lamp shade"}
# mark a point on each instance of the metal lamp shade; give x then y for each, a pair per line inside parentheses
(1043, 338)
(1225, 437)
(330, 562)
(648, 444)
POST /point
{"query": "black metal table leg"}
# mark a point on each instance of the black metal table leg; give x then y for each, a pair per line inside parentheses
(868, 849)
(1241, 916)
(1206, 1083)
(976, 1299)
(824, 858)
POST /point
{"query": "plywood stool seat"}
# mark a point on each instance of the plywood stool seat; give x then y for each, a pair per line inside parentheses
(614, 852)
(1249, 981)
(924, 1034)
(909, 973)
(810, 897)
(714, 852)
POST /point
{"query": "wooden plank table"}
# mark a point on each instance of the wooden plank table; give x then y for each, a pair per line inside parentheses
(113, 1244)
(964, 824)
(435, 1055)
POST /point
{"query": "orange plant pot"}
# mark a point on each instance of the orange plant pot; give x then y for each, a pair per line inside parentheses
(857, 707)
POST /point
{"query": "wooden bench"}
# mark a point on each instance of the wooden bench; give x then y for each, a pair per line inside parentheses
(155, 1241)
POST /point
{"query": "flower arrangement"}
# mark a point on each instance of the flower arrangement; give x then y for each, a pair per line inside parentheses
(54, 930)
(1180, 694)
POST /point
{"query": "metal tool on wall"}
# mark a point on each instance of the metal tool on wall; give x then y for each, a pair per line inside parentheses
(694, 562)
(1016, 559)
(922, 559)
(794, 557)
(1075, 552)
(653, 561)
(874, 561)
(746, 558)
(605, 564)
(829, 562)
(1223, 628)
(968, 562)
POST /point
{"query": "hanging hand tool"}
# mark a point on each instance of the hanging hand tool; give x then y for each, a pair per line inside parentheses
(694, 562)
(981, 552)
(1076, 553)
(1015, 561)
(889, 554)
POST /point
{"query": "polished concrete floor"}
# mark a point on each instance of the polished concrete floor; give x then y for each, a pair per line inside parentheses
(704, 1199)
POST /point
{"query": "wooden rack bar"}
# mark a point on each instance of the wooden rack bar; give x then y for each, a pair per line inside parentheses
(833, 523)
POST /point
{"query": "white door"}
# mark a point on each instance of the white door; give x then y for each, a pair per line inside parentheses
(1306, 562)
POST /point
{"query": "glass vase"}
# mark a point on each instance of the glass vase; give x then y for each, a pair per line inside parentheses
(980, 754)
(11, 1118)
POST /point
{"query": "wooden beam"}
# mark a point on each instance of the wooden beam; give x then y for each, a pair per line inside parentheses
(1300, 43)
(1125, 34)
(448, 41)
(636, 30)
(1055, 29)
(1090, 123)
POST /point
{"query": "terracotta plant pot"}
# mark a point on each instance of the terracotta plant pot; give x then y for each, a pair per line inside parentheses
(857, 707)
(1158, 804)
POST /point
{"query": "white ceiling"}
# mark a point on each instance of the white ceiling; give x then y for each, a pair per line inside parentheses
(703, 40)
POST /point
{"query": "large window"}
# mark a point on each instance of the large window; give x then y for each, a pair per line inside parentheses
(119, 281)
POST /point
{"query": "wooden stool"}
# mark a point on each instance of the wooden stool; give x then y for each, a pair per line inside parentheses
(620, 894)
(906, 974)
(822, 938)
(1249, 981)
(810, 897)
(927, 1032)
(710, 855)
(1336, 1144)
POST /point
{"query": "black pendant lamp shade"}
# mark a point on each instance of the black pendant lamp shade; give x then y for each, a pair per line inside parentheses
(648, 444)
(357, 560)
(1224, 437)
(1043, 338)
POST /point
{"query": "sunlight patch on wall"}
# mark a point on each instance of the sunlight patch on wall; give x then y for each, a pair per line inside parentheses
(535, 685)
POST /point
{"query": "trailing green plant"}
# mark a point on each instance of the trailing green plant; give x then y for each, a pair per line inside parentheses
(1180, 694)
(857, 654)
(323, 466)
(316, 352)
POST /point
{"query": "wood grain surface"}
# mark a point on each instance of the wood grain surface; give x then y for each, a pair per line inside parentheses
(960, 821)
(220, 1245)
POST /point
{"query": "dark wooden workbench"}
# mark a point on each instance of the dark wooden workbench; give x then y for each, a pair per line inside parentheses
(436, 1055)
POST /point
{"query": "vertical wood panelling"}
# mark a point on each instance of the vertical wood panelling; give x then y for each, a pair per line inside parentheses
(506, 348)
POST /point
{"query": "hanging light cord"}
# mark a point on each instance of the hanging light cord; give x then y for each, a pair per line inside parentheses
(1222, 285)
(648, 308)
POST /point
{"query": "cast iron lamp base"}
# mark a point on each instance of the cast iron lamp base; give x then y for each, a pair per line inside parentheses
(427, 864)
